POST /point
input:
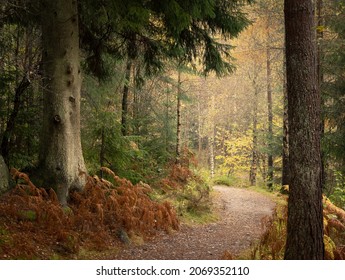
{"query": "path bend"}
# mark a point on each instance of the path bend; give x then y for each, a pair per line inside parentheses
(241, 212)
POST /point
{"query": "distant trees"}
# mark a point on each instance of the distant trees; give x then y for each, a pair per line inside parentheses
(19, 82)
(305, 218)
(331, 41)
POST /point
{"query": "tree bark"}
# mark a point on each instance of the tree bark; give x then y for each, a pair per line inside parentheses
(286, 168)
(5, 143)
(124, 117)
(178, 114)
(61, 158)
(305, 219)
(320, 23)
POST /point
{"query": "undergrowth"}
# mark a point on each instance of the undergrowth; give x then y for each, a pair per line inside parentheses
(271, 245)
(187, 190)
(104, 214)
(226, 180)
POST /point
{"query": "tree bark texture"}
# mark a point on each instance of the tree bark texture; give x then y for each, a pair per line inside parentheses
(61, 158)
(305, 219)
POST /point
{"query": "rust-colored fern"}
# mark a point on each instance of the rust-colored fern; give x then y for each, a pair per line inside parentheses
(39, 227)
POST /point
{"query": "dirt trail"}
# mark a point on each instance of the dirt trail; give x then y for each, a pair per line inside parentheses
(240, 211)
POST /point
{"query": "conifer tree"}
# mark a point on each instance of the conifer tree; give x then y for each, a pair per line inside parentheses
(305, 216)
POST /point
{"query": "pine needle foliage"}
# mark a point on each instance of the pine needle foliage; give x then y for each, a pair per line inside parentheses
(35, 226)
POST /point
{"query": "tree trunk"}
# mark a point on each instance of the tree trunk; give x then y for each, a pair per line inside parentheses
(5, 144)
(61, 158)
(211, 150)
(286, 168)
(305, 219)
(213, 133)
(136, 98)
(124, 117)
(320, 23)
(254, 162)
(178, 114)
(4, 176)
(270, 119)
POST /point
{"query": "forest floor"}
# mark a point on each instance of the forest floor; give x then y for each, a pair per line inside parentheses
(240, 214)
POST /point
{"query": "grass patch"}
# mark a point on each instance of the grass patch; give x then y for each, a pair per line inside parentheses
(276, 196)
(226, 180)
(191, 218)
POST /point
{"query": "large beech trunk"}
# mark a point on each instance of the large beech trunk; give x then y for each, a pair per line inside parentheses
(305, 219)
(61, 158)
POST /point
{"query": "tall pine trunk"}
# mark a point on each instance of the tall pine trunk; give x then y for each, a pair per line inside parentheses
(305, 219)
(61, 158)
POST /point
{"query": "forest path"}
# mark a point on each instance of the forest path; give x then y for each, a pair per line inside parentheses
(240, 214)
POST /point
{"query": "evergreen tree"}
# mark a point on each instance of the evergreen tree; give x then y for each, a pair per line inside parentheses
(305, 216)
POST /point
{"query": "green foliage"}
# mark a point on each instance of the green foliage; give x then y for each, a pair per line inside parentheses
(226, 180)
(193, 202)
(157, 30)
(19, 49)
(196, 197)
(338, 192)
(332, 89)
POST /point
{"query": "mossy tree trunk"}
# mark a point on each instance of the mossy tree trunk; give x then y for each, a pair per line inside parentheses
(61, 158)
(305, 218)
